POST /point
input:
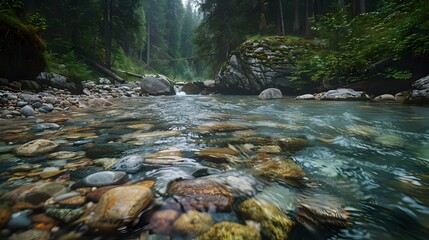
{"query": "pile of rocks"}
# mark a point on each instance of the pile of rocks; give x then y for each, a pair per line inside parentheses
(49, 96)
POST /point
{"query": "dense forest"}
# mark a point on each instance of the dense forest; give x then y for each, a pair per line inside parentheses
(132, 35)
(193, 39)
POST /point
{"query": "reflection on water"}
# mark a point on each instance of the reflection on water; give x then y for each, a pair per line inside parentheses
(370, 158)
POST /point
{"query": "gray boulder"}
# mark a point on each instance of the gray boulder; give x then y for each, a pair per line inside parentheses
(60, 82)
(343, 94)
(28, 111)
(260, 64)
(420, 92)
(270, 93)
(157, 85)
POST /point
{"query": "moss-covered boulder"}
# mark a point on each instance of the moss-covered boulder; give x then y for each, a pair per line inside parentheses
(267, 62)
(21, 49)
(274, 224)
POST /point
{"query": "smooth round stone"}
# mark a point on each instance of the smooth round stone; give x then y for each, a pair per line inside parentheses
(36, 148)
(202, 194)
(19, 220)
(100, 179)
(129, 164)
(120, 207)
(47, 107)
(21, 104)
(83, 172)
(36, 104)
(28, 111)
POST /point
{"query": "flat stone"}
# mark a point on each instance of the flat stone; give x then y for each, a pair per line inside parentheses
(36, 148)
(217, 154)
(202, 194)
(100, 179)
(114, 210)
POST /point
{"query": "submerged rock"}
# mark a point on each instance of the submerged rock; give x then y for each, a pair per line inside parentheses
(64, 214)
(119, 207)
(20, 220)
(293, 144)
(217, 154)
(202, 194)
(192, 223)
(32, 234)
(129, 164)
(319, 210)
(100, 179)
(277, 167)
(270, 93)
(36, 148)
(274, 223)
(231, 230)
(161, 222)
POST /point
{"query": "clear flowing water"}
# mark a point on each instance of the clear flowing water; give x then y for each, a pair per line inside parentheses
(370, 158)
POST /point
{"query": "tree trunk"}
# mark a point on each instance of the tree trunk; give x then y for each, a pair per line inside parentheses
(340, 3)
(362, 6)
(108, 5)
(282, 17)
(296, 24)
(148, 42)
(309, 12)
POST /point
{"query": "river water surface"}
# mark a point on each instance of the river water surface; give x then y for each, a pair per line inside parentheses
(372, 159)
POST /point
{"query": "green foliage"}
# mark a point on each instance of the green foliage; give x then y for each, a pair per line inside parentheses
(396, 74)
(69, 65)
(356, 45)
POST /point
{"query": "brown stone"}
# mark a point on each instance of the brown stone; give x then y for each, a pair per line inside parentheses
(94, 196)
(217, 154)
(36, 148)
(293, 144)
(73, 201)
(220, 127)
(51, 174)
(148, 184)
(277, 167)
(192, 223)
(202, 194)
(119, 207)
(5, 213)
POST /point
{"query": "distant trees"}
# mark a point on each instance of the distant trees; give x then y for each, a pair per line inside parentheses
(227, 23)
